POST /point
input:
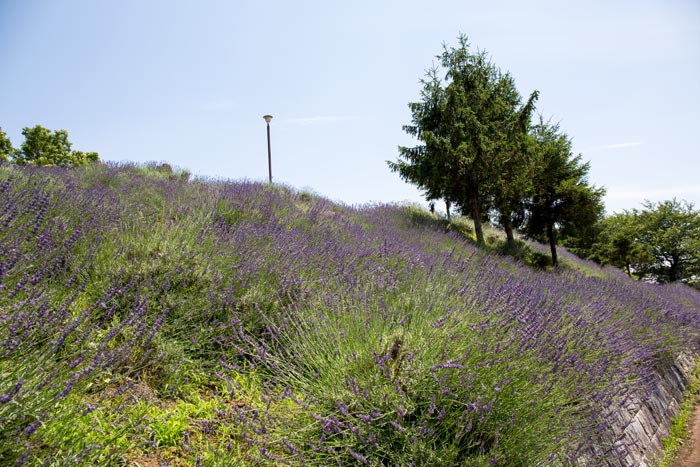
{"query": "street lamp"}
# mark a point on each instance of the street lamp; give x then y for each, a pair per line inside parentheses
(269, 152)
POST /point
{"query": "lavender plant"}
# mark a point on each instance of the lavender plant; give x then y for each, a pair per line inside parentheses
(144, 315)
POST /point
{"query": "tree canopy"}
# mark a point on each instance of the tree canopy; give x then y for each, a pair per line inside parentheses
(6, 149)
(563, 202)
(46, 148)
(615, 243)
(671, 232)
(661, 242)
(471, 126)
(478, 150)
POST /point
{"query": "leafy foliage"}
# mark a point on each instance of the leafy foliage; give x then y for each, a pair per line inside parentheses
(6, 149)
(46, 148)
(616, 245)
(660, 242)
(670, 230)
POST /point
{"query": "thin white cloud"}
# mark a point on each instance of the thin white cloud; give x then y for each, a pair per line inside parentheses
(666, 193)
(321, 119)
(220, 104)
(612, 146)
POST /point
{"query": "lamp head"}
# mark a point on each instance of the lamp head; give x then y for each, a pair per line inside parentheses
(267, 118)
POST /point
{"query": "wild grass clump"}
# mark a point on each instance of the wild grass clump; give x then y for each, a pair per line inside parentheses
(148, 317)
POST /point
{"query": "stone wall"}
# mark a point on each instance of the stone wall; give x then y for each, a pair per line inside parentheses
(646, 421)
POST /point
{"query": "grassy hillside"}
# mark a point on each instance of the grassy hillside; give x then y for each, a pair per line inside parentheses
(150, 320)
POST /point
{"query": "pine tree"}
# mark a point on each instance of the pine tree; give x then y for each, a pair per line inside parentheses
(562, 201)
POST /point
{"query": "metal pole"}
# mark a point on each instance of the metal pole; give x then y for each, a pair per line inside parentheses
(269, 152)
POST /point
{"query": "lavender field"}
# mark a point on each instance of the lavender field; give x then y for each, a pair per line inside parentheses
(146, 319)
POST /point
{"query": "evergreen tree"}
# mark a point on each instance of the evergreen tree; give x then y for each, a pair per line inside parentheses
(426, 165)
(512, 164)
(563, 202)
(470, 127)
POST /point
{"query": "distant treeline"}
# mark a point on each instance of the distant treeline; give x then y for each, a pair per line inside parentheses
(660, 242)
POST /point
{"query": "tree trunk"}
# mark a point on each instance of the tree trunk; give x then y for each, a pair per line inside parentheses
(447, 208)
(673, 269)
(476, 217)
(474, 205)
(510, 237)
(552, 244)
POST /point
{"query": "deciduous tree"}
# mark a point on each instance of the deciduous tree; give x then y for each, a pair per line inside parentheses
(670, 231)
(616, 243)
(44, 147)
(6, 149)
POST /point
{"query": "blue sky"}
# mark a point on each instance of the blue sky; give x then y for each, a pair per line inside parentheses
(188, 83)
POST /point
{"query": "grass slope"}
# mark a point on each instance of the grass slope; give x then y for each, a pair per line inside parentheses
(146, 319)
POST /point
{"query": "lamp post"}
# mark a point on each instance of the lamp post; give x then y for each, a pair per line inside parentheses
(269, 152)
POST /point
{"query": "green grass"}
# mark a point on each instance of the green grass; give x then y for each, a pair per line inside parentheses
(679, 432)
(124, 421)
